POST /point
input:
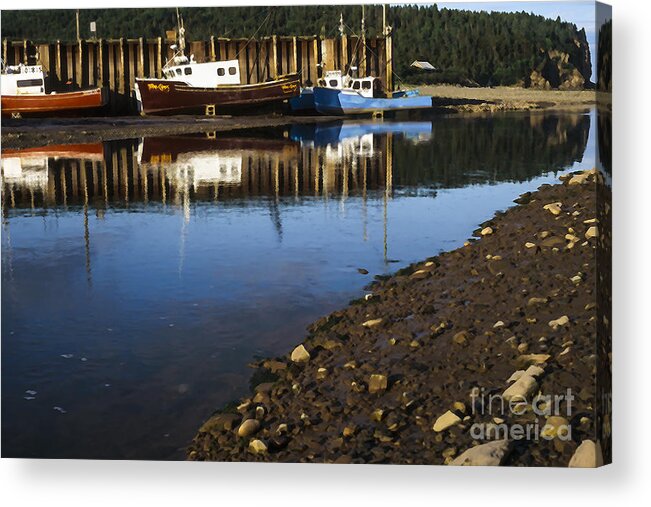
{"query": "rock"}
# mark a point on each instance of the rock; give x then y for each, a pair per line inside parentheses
(561, 321)
(534, 371)
(529, 244)
(486, 231)
(446, 421)
(591, 221)
(499, 323)
(459, 406)
(592, 232)
(579, 179)
(321, 373)
(300, 355)
(553, 207)
(377, 383)
(556, 427)
(248, 428)
(377, 414)
(372, 323)
(536, 301)
(461, 338)
(257, 446)
(587, 455)
(515, 376)
(362, 271)
(523, 347)
(527, 359)
(524, 387)
(489, 454)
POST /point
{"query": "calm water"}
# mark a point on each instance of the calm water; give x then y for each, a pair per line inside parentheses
(139, 278)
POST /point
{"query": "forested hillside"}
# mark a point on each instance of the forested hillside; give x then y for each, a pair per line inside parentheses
(465, 47)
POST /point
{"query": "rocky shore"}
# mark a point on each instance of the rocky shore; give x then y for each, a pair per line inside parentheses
(482, 355)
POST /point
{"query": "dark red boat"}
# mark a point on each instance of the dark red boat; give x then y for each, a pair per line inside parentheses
(167, 97)
(23, 94)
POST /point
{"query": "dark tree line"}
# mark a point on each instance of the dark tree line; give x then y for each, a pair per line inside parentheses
(486, 48)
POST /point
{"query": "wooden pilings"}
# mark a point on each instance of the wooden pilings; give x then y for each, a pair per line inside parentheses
(115, 63)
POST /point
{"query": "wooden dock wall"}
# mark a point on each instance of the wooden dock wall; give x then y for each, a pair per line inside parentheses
(115, 63)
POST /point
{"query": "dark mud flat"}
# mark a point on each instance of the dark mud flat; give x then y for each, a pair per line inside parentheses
(32, 132)
(403, 376)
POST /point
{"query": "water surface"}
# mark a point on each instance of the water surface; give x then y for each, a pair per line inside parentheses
(139, 278)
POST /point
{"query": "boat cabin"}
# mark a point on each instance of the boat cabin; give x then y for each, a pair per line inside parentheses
(23, 80)
(365, 86)
(203, 75)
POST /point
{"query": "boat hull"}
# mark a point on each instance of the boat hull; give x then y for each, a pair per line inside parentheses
(303, 103)
(80, 103)
(335, 102)
(167, 97)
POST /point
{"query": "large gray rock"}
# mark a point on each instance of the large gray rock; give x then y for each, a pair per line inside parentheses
(489, 454)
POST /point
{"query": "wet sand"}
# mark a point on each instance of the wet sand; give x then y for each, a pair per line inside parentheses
(404, 374)
(462, 99)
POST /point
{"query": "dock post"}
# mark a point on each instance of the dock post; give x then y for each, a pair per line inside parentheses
(315, 61)
(100, 63)
(25, 59)
(122, 84)
(388, 44)
(294, 54)
(58, 62)
(141, 60)
(4, 51)
(79, 71)
(213, 56)
(274, 57)
(159, 73)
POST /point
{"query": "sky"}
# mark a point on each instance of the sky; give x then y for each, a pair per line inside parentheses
(581, 13)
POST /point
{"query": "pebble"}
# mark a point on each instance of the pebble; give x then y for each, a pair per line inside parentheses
(561, 321)
(248, 428)
(529, 244)
(446, 421)
(486, 231)
(499, 323)
(587, 455)
(257, 446)
(555, 426)
(372, 322)
(592, 232)
(300, 355)
(489, 454)
(553, 207)
(461, 338)
(377, 383)
(524, 387)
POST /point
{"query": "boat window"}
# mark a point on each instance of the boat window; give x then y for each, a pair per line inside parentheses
(356, 85)
(232, 71)
(187, 71)
(366, 85)
(29, 82)
(333, 83)
(178, 72)
(220, 71)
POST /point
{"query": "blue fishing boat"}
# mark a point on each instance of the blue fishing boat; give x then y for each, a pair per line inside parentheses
(347, 102)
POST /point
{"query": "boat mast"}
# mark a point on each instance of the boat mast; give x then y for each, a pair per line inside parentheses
(179, 21)
(363, 34)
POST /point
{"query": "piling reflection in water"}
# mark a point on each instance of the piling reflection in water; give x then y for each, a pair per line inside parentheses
(308, 160)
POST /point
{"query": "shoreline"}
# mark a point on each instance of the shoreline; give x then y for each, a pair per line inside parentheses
(403, 375)
(447, 99)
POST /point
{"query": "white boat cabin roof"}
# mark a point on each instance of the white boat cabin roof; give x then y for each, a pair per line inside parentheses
(23, 80)
(202, 75)
(335, 79)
